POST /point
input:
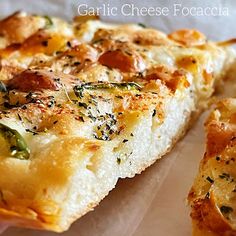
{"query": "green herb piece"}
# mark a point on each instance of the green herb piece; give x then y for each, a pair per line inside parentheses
(18, 146)
(83, 104)
(142, 25)
(118, 160)
(209, 179)
(207, 195)
(225, 176)
(2, 87)
(79, 89)
(49, 22)
(226, 209)
(154, 113)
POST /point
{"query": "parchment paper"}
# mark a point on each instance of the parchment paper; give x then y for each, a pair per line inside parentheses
(152, 203)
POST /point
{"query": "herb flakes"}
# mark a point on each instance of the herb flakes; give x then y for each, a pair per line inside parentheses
(226, 209)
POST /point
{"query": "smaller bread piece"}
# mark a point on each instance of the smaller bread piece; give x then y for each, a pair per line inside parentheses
(213, 195)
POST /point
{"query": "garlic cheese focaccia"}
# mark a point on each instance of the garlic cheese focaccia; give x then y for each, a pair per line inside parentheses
(213, 195)
(86, 103)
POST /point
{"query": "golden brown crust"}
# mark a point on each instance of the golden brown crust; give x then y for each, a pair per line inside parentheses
(17, 27)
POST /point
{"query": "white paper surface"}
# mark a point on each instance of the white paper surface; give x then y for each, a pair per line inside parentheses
(152, 203)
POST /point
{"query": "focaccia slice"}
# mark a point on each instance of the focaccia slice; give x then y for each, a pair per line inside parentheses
(213, 194)
(86, 103)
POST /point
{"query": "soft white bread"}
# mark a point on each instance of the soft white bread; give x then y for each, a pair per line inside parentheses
(85, 104)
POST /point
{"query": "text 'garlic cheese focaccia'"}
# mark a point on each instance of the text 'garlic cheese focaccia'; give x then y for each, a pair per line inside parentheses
(86, 103)
(213, 194)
